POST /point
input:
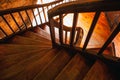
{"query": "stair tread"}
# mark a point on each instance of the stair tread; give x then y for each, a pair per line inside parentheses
(33, 69)
(99, 71)
(35, 36)
(75, 69)
(54, 67)
(9, 60)
(8, 49)
(24, 40)
(43, 33)
(19, 67)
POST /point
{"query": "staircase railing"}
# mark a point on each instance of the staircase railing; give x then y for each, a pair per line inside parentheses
(16, 20)
(81, 7)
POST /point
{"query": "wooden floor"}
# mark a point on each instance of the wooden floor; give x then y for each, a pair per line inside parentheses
(30, 56)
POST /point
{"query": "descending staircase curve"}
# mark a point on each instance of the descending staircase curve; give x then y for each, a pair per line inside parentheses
(30, 56)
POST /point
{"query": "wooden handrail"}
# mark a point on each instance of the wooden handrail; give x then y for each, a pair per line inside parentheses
(25, 22)
(17, 9)
(85, 6)
(96, 6)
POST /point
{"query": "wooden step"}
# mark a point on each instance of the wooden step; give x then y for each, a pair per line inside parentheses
(33, 69)
(16, 69)
(24, 40)
(99, 71)
(54, 67)
(43, 33)
(35, 36)
(10, 49)
(75, 69)
(8, 60)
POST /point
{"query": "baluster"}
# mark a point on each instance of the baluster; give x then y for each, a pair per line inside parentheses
(28, 17)
(22, 19)
(34, 17)
(52, 32)
(61, 29)
(15, 21)
(46, 9)
(39, 15)
(44, 14)
(8, 24)
(97, 14)
(66, 37)
(77, 36)
(109, 40)
(4, 32)
(72, 36)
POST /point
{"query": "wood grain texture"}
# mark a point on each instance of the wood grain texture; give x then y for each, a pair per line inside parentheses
(13, 70)
(28, 41)
(31, 70)
(54, 67)
(76, 69)
(99, 71)
(42, 33)
(35, 36)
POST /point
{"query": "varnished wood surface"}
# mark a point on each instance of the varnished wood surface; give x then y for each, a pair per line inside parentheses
(31, 70)
(8, 60)
(54, 67)
(15, 69)
(99, 71)
(29, 61)
(35, 37)
(21, 61)
(76, 69)
(24, 40)
(42, 33)
(9, 49)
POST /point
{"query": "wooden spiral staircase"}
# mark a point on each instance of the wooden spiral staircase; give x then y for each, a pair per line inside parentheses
(28, 54)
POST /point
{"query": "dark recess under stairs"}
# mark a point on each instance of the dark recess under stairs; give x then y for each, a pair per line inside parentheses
(30, 56)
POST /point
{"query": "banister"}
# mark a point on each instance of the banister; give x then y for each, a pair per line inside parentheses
(26, 22)
(85, 6)
(96, 6)
(111, 37)
(22, 8)
(91, 29)
(72, 37)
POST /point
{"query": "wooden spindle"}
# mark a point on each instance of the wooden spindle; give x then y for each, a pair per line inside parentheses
(97, 14)
(7, 24)
(39, 15)
(52, 31)
(34, 16)
(4, 32)
(22, 19)
(44, 14)
(66, 37)
(73, 28)
(15, 21)
(61, 29)
(28, 18)
(109, 40)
